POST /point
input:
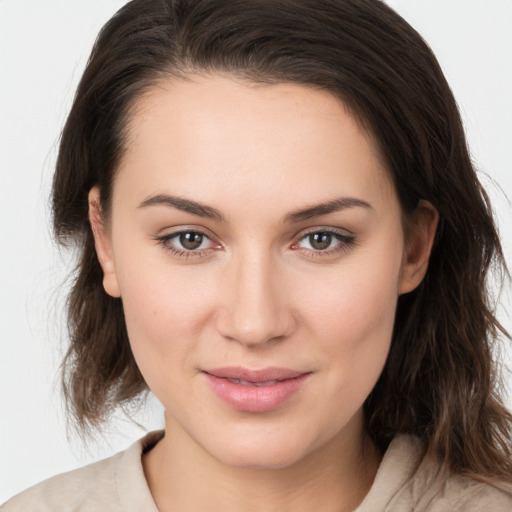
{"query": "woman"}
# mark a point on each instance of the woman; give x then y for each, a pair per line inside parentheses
(282, 236)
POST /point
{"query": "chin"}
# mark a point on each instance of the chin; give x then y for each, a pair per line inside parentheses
(260, 451)
(258, 459)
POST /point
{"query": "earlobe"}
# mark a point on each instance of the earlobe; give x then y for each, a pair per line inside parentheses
(420, 240)
(102, 244)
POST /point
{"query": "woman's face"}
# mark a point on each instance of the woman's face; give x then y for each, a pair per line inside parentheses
(257, 245)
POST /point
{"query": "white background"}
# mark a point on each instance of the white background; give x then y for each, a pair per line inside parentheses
(43, 48)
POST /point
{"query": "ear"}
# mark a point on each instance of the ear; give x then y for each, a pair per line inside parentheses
(103, 244)
(419, 242)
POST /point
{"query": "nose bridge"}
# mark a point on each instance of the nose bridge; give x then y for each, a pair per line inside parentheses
(256, 310)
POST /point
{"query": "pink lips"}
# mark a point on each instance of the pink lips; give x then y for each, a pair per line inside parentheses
(255, 390)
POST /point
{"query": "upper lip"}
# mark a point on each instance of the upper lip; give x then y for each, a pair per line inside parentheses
(254, 375)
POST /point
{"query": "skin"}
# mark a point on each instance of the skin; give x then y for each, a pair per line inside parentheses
(258, 292)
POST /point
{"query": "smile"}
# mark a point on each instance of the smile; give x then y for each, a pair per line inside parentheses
(255, 391)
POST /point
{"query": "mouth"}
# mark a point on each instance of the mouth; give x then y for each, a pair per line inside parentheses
(255, 391)
(259, 384)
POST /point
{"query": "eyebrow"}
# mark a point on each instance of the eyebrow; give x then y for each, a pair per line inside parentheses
(208, 212)
(335, 205)
(185, 205)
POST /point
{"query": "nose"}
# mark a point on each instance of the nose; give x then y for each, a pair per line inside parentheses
(255, 303)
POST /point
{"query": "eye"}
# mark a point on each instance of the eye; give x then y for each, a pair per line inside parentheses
(320, 241)
(187, 243)
(191, 240)
(324, 242)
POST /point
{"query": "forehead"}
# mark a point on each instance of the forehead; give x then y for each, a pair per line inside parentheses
(217, 137)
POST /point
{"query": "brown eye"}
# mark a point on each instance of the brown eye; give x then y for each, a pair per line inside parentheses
(325, 243)
(188, 244)
(320, 241)
(190, 240)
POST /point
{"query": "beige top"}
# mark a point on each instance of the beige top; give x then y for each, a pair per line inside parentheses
(404, 482)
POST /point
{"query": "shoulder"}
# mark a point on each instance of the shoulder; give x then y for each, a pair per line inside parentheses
(92, 484)
(465, 494)
(107, 485)
(435, 490)
(409, 480)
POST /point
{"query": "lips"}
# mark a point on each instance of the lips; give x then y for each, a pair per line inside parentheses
(249, 383)
(255, 390)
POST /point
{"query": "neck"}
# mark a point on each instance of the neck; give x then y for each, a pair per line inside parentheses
(336, 477)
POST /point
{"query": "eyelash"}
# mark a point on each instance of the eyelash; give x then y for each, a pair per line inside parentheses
(165, 242)
(345, 243)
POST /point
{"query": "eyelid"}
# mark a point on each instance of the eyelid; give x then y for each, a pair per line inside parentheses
(342, 233)
(324, 229)
(346, 240)
(177, 230)
(164, 238)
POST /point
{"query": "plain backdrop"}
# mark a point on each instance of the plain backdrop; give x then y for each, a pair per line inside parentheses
(44, 45)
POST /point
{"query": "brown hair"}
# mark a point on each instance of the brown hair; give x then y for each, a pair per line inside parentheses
(439, 381)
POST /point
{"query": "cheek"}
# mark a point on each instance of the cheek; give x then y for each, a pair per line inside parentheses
(355, 301)
(353, 326)
(352, 320)
(164, 311)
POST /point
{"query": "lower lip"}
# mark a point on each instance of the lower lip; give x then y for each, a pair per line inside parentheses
(255, 398)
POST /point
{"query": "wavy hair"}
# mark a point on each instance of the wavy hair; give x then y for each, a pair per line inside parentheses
(440, 381)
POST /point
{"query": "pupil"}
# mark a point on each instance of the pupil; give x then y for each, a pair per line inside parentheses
(191, 241)
(320, 241)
